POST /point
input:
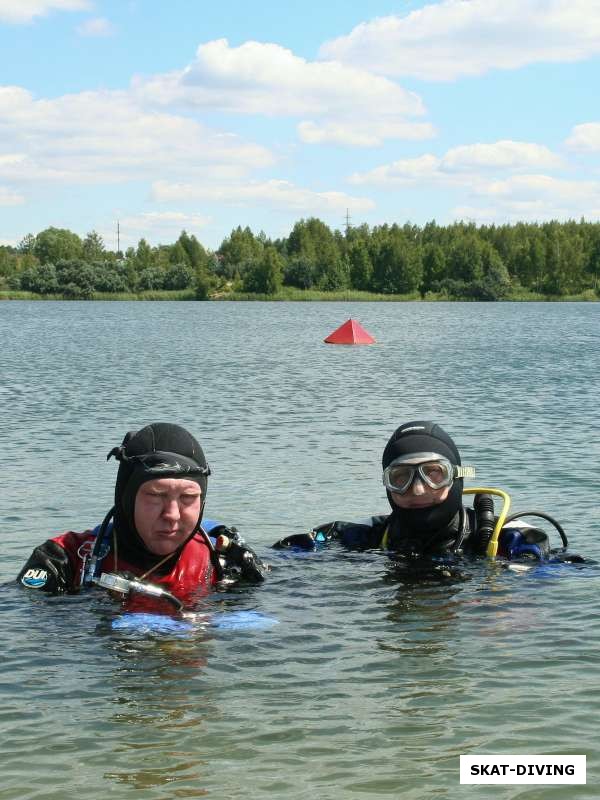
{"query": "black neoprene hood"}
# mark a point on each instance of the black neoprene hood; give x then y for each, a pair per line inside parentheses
(424, 437)
(419, 437)
(175, 451)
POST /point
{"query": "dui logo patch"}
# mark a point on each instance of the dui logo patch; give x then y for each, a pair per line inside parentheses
(34, 578)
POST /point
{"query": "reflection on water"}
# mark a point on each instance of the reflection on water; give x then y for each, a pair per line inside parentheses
(372, 684)
(153, 707)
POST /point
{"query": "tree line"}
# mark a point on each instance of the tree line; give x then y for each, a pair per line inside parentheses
(458, 261)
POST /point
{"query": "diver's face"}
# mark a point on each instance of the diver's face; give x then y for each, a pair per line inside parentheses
(419, 494)
(166, 512)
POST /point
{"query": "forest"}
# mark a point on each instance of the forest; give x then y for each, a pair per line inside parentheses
(461, 261)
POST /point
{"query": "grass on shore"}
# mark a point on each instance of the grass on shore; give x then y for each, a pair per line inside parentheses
(178, 294)
(291, 294)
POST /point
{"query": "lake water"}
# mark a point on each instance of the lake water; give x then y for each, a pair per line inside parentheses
(366, 688)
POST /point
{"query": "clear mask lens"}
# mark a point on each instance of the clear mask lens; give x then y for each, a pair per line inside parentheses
(435, 474)
(433, 470)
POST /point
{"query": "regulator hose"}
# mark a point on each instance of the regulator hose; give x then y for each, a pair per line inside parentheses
(486, 521)
(90, 567)
(492, 546)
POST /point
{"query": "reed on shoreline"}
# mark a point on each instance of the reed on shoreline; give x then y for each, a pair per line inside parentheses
(291, 294)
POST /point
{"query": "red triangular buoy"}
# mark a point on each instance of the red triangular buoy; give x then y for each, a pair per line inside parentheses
(351, 332)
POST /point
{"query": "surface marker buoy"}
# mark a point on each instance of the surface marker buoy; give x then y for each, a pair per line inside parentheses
(351, 332)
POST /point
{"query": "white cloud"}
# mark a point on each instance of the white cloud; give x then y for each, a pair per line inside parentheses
(107, 137)
(530, 187)
(456, 38)
(363, 133)
(20, 11)
(104, 137)
(157, 226)
(272, 193)
(467, 162)
(483, 216)
(97, 26)
(407, 170)
(504, 154)
(269, 80)
(585, 138)
(498, 179)
(542, 197)
(10, 198)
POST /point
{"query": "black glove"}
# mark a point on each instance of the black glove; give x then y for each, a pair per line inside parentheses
(239, 559)
(304, 541)
(48, 569)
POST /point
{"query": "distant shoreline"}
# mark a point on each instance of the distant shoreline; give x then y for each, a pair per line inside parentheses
(298, 295)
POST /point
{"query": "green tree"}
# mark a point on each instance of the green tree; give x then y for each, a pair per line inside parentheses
(593, 262)
(40, 279)
(177, 254)
(532, 267)
(57, 244)
(313, 242)
(111, 277)
(299, 272)
(331, 271)
(202, 285)
(434, 266)
(564, 261)
(495, 283)
(179, 276)
(465, 258)
(240, 248)
(76, 279)
(151, 278)
(397, 265)
(265, 276)
(361, 266)
(144, 257)
(93, 247)
(197, 256)
(27, 244)
(9, 261)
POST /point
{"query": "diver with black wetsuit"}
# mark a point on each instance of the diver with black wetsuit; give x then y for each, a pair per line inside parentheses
(423, 477)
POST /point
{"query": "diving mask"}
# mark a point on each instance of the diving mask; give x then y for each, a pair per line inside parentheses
(161, 462)
(433, 470)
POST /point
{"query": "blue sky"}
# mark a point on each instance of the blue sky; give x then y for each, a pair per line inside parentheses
(201, 116)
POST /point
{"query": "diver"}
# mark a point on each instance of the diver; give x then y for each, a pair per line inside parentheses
(428, 524)
(152, 542)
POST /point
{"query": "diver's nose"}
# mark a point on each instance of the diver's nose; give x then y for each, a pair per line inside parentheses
(417, 486)
(171, 509)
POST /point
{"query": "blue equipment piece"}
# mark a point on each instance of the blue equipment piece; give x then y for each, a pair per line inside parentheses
(152, 623)
(242, 620)
(148, 624)
(208, 525)
(528, 543)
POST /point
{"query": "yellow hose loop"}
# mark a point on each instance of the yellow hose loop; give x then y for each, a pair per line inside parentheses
(492, 548)
(385, 538)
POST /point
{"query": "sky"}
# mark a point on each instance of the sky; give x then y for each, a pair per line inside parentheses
(204, 116)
